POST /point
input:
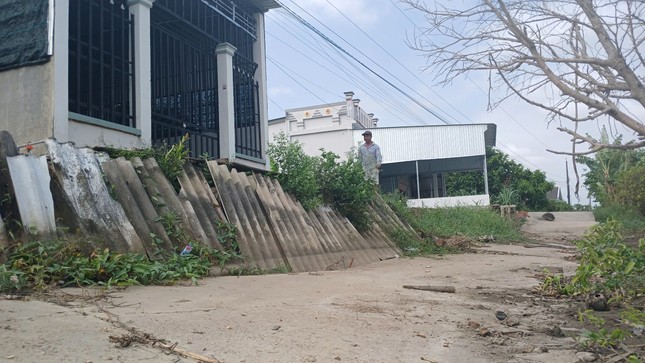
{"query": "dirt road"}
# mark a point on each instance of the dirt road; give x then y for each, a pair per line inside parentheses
(358, 315)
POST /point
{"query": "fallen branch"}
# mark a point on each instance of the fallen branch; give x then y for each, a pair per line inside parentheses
(551, 245)
(449, 289)
(186, 354)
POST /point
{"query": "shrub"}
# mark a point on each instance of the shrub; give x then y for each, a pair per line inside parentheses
(608, 265)
(343, 185)
(295, 170)
(630, 219)
(316, 179)
(630, 188)
(507, 196)
(558, 206)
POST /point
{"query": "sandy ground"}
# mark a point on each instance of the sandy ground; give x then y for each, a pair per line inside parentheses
(359, 315)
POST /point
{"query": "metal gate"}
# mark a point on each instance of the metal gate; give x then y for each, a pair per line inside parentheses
(184, 37)
(247, 115)
(184, 84)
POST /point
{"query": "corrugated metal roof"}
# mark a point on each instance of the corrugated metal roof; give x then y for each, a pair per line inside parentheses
(430, 142)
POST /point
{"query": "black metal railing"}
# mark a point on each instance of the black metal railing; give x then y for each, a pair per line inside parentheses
(184, 86)
(101, 61)
(247, 110)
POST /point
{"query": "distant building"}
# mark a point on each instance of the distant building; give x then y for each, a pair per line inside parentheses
(416, 159)
(134, 73)
(554, 194)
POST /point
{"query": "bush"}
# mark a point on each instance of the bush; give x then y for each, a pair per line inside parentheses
(630, 188)
(607, 265)
(558, 206)
(316, 179)
(630, 219)
(295, 170)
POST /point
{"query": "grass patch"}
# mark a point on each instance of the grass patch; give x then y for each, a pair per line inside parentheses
(471, 222)
(458, 224)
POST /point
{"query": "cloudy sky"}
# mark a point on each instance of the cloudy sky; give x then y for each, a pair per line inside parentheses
(303, 70)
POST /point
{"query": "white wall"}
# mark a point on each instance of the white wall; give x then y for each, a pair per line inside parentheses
(468, 200)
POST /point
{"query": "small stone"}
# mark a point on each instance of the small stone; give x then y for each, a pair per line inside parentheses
(555, 331)
(511, 321)
(500, 315)
(276, 327)
(485, 332)
(586, 356)
(544, 350)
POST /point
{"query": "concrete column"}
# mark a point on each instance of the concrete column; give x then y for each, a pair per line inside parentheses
(259, 57)
(226, 97)
(142, 68)
(349, 95)
(485, 176)
(61, 69)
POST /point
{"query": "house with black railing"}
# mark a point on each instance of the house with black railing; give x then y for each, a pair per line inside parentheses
(135, 73)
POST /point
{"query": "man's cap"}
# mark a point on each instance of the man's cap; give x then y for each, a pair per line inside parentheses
(368, 133)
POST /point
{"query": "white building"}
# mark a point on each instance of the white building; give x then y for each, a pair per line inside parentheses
(134, 73)
(416, 159)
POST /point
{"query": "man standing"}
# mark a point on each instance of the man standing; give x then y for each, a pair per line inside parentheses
(370, 156)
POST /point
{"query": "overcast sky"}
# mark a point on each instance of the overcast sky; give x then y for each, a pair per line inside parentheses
(304, 70)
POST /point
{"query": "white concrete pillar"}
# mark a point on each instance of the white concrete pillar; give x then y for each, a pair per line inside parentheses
(61, 70)
(485, 176)
(226, 98)
(142, 67)
(259, 57)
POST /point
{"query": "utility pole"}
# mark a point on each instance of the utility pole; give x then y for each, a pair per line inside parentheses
(566, 165)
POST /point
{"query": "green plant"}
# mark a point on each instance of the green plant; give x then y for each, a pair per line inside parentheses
(630, 187)
(295, 170)
(553, 285)
(629, 217)
(603, 338)
(588, 316)
(170, 159)
(558, 206)
(312, 180)
(38, 265)
(507, 196)
(227, 236)
(608, 265)
(344, 186)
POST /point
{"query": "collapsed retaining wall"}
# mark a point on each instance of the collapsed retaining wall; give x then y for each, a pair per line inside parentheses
(120, 204)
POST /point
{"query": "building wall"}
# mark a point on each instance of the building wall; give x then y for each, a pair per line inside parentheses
(86, 134)
(336, 141)
(26, 103)
(427, 142)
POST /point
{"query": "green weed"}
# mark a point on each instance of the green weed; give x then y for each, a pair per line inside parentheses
(39, 265)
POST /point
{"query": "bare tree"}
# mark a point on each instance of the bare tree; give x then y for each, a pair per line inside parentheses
(587, 53)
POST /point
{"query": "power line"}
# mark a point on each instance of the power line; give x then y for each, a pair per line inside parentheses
(389, 100)
(330, 41)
